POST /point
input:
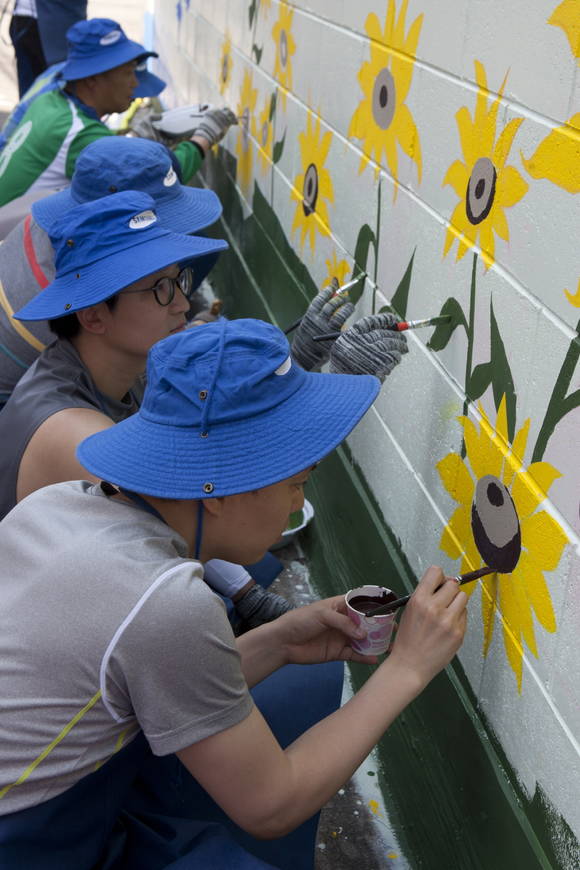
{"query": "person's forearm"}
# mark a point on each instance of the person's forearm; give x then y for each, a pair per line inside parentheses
(261, 652)
(326, 755)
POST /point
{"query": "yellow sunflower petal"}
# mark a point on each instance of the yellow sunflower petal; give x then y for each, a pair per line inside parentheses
(557, 157)
(403, 63)
(458, 177)
(500, 225)
(510, 187)
(456, 478)
(488, 606)
(501, 426)
(532, 579)
(566, 16)
(504, 143)
(515, 608)
(514, 652)
(574, 298)
(456, 532)
(486, 243)
(467, 137)
(531, 486)
(514, 459)
(544, 539)
(406, 132)
(373, 28)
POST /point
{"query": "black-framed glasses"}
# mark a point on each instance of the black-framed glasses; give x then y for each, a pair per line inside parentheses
(164, 289)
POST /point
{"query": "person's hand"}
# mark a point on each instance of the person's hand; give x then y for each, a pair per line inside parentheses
(432, 627)
(326, 313)
(368, 347)
(319, 632)
(214, 124)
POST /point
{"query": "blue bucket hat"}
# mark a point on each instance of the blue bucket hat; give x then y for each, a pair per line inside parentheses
(225, 411)
(116, 163)
(97, 45)
(149, 85)
(103, 246)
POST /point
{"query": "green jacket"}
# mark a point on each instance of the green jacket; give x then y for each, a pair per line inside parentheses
(42, 151)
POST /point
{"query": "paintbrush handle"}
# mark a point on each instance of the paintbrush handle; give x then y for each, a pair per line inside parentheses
(293, 326)
(400, 602)
(344, 289)
(400, 326)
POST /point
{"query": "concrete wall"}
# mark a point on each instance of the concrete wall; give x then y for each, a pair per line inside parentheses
(437, 146)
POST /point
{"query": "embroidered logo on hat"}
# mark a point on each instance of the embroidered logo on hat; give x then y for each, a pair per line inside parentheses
(170, 178)
(110, 38)
(284, 368)
(142, 220)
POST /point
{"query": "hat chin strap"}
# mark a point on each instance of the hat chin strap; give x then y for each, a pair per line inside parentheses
(199, 530)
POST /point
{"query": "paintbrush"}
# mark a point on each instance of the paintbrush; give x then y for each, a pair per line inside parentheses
(401, 326)
(339, 292)
(400, 602)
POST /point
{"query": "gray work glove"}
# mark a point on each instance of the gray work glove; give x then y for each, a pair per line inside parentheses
(214, 124)
(142, 125)
(258, 606)
(368, 347)
(324, 314)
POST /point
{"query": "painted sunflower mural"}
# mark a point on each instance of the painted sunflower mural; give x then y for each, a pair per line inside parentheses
(264, 135)
(225, 67)
(285, 48)
(246, 109)
(485, 185)
(336, 269)
(493, 478)
(382, 120)
(312, 188)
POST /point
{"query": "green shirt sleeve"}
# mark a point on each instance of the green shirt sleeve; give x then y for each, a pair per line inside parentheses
(91, 131)
(189, 159)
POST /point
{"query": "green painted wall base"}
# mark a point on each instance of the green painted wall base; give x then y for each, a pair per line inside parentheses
(451, 795)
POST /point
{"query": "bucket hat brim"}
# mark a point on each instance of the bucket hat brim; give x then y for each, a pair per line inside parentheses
(105, 59)
(192, 209)
(104, 278)
(149, 85)
(171, 461)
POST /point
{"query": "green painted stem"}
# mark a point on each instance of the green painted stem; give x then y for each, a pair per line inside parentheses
(376, 249)
(470, 334)
(560, 404)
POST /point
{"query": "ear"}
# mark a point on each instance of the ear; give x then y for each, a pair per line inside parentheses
(95, 318)
(214, 506)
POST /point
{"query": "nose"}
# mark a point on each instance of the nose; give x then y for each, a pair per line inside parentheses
(180, 301)
(298, 501)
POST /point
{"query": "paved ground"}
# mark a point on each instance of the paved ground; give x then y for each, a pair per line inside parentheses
(354, 831)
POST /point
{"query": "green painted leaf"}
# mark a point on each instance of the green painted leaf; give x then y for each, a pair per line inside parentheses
(365, 239)
(278, 149)
(252, 11)
(444, 331)
(257, 51)
(479, 381)
(401, 295)
(272, 106)
(501, 378)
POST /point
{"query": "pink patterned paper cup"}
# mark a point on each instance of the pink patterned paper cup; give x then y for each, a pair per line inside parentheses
(379, 628)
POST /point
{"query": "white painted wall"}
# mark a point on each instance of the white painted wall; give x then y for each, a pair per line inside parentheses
(413, 425)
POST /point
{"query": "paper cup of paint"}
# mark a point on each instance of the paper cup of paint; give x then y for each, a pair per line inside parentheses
(379, 628)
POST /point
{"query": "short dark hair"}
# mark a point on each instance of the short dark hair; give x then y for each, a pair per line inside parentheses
(69, 325)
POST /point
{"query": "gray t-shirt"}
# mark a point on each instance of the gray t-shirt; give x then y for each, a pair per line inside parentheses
(26, 267)
(57, 380)
(107, 628)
